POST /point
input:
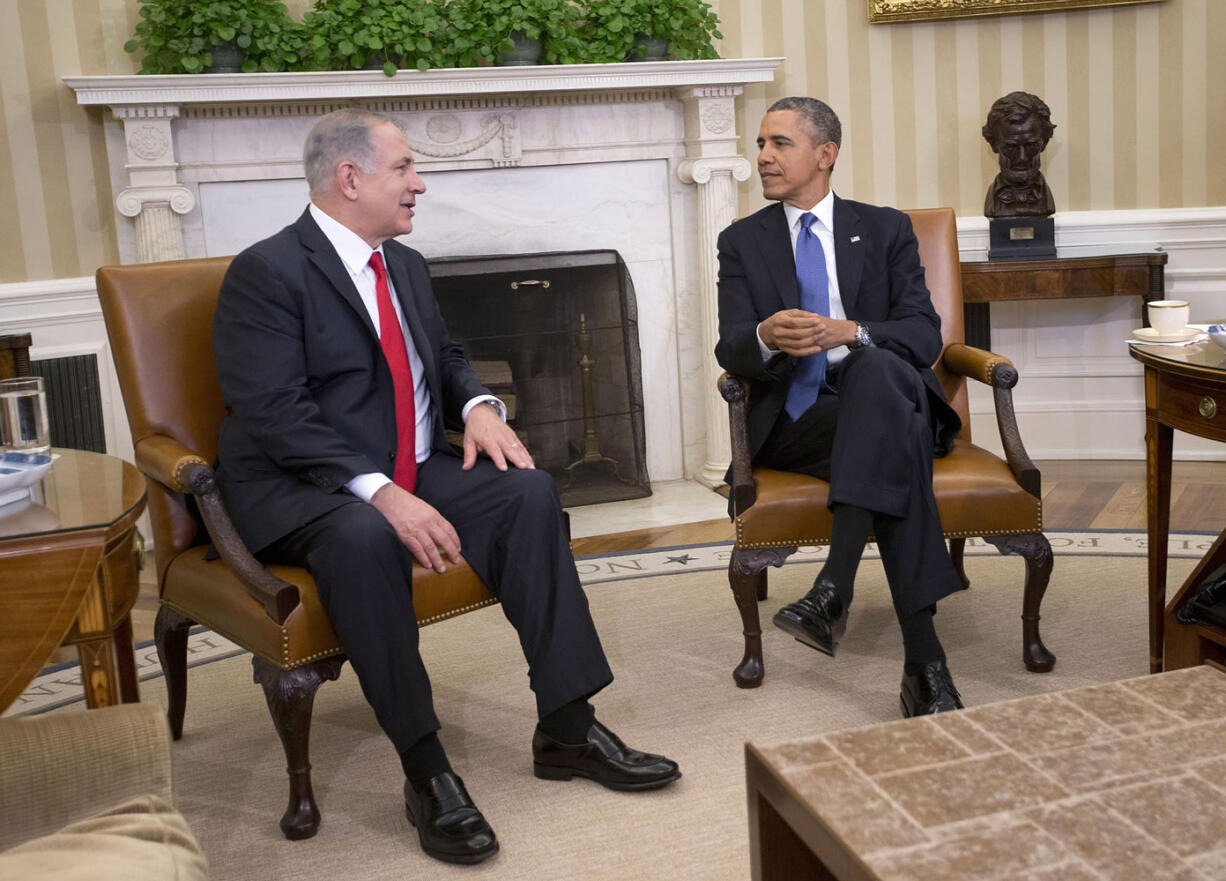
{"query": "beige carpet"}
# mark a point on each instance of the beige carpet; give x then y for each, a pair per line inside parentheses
(672, 640)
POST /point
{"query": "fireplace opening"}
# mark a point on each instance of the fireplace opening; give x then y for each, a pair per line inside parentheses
(555, 336)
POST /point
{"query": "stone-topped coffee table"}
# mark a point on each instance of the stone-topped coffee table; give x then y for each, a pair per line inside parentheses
(1113, 782)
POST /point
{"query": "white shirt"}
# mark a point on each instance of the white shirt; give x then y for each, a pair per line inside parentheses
(823, 228)
(355, 255)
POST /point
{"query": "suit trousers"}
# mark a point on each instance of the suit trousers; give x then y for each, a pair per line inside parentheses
(871, 437)
(512, 533)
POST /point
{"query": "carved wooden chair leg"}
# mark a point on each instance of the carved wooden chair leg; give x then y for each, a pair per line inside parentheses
(744, 571)
(170, 631)
(1036, 549)
(744, 584)
(956, 547)
(291, 696)
(761, 585)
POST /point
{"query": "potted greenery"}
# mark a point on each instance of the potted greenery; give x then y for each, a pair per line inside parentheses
(489, 30)
(619, 30)
(181, 36)
(383, 34)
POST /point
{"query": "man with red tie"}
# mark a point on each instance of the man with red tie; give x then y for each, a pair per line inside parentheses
(340, 377)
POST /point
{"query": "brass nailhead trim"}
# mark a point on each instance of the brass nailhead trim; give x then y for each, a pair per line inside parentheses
(182, 464)
(289, 664)
(445, 615)
(787, 543)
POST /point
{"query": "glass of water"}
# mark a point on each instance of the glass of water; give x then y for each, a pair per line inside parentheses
(23, 415)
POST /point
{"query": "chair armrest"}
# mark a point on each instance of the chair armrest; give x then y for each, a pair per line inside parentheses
(735, 390)
(164, 459)
(181, 470)
(981, 365)
(998, 372)
(61, 767)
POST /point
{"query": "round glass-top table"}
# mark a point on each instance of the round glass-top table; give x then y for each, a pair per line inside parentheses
(69, 574)
(1203, 355)
(1185, 389)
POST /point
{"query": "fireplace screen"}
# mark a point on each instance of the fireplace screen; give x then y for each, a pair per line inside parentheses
(555, 336)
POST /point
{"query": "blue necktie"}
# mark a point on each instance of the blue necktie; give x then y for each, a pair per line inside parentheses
(814, 287)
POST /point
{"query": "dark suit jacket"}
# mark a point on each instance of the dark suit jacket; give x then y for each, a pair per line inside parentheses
(310, 397)
(881, 284)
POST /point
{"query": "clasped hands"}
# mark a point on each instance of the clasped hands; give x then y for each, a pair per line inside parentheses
(425, 532)
(800, 333)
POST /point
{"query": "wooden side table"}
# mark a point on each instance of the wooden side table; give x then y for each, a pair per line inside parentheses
(1185, 389)
(1059, 278)
(69, 575)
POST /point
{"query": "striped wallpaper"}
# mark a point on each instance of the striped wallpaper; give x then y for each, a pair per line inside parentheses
(1138, 95)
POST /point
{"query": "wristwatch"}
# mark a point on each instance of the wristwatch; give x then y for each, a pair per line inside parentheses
(862, 337)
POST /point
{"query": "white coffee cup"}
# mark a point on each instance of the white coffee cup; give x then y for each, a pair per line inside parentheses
(1168, 316)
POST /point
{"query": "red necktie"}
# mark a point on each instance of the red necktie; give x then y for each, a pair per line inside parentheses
(391, 338)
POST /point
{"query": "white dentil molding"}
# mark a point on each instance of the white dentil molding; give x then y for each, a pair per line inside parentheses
(226, 88)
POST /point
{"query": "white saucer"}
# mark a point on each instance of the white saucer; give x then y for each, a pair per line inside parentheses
(19, 472)
(1149, 335)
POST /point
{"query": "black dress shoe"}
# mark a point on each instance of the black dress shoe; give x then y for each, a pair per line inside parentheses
(603, 758)
(818, 619)
(931, 690)
(449, 825)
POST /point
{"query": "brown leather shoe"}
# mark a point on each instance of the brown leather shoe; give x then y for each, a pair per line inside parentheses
(930, 690)
(449, 825)
(603, 758)
(818, 619)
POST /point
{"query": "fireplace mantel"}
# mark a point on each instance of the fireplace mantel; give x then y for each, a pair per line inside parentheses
(245, 88)
(641, 157)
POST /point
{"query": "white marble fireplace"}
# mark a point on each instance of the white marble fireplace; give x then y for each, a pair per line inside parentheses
(641, 158)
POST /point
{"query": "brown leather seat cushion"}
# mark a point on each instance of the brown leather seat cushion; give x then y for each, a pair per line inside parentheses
(209, 594)
(975, 490)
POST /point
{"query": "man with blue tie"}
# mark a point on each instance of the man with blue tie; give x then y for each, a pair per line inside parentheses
(823, 307)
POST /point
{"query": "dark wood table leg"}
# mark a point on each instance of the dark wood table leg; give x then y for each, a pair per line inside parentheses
(125, 657)
(787, 839)
(780, 854)
(1157, 291)
(1158, 517)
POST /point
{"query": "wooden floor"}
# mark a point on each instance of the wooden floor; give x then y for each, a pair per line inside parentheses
(1076, 495)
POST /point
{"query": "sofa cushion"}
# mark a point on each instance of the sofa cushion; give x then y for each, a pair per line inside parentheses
(142, 839)
(57, 768)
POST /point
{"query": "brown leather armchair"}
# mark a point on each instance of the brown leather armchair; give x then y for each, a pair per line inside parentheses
(977, 493)
(159, 318)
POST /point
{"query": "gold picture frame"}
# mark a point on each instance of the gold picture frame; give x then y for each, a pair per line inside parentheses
(886, 11)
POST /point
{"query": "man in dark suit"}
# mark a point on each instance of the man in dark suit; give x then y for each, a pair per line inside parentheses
(823, 306)
(339, 377)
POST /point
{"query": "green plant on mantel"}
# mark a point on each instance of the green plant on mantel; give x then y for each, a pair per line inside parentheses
(613, 27)
(180, 36)
(387, 34)
(482, 30)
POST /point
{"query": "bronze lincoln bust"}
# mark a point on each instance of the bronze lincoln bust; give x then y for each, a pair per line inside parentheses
(1018, 128)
